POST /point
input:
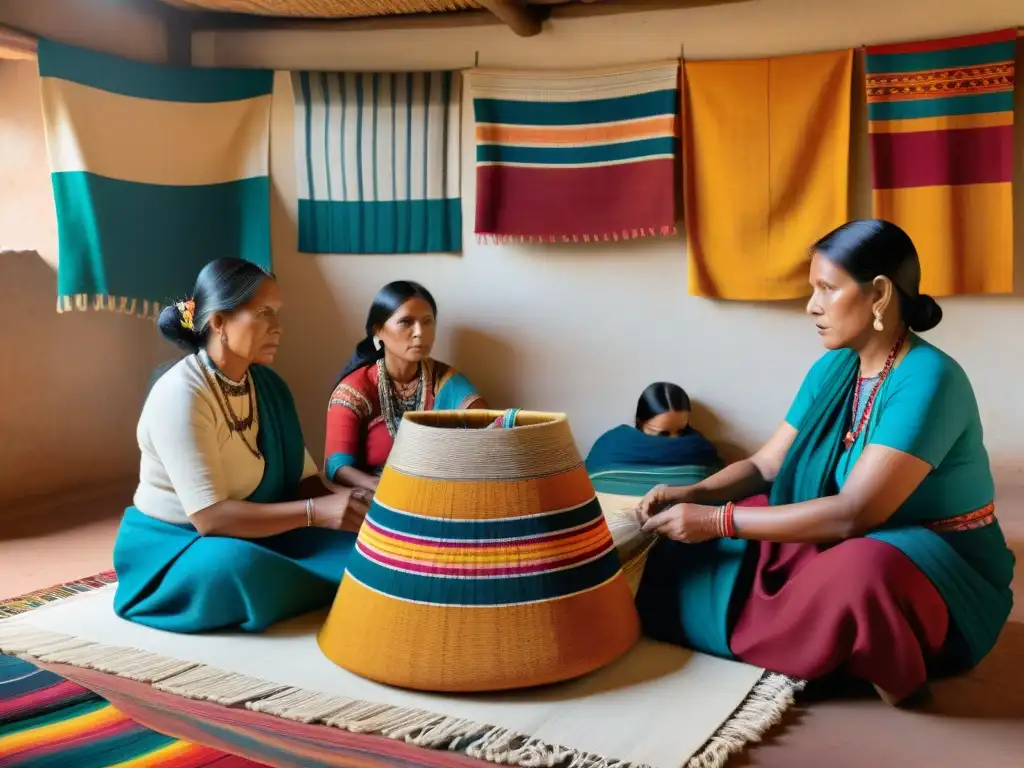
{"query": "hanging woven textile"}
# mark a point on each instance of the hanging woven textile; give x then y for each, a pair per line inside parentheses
(940, 115)
(485, 562)
(156, 171)
(575, 156)
(766, 170)
(378, 162)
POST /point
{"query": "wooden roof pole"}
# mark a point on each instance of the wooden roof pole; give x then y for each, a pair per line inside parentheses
(520, 18)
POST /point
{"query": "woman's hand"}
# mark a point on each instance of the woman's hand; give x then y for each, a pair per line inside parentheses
(659, 497)
(688, 523)
(343, 510)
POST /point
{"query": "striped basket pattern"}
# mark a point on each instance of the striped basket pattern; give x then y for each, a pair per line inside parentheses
(485, 562)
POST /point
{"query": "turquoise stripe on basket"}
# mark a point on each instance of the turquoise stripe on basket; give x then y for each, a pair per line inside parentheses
(596, 154)
(162, 83)
(385, 226)
(974, 55)
(482, 591)
(972, 104)
(591, 112)
(477, 530)
(147, 257)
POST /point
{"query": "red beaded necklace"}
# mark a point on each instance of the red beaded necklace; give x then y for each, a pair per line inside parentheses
(851, 436)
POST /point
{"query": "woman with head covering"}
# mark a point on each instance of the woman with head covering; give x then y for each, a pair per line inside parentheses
(660, 447)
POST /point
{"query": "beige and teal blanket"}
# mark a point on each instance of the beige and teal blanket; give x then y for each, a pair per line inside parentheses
(156, 171)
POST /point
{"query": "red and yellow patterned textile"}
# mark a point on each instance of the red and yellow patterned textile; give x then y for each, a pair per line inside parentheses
(940, 116)
(357, 432)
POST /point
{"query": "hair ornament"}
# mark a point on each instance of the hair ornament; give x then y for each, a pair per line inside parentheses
(187, 310)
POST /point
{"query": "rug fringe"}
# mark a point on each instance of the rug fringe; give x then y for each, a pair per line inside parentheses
(84, 302)
(762, 709)
(605, 237)
(41, 597)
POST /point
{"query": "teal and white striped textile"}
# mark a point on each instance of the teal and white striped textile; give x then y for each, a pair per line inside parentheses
(156, 171)
(378, 161)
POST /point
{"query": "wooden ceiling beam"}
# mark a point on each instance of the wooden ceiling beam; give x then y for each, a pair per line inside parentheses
(545, 9)
(525, 21)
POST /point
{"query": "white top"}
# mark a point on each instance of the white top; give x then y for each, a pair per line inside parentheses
(190, 460)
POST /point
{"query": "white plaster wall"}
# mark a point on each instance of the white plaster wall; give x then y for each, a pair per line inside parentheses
(584, 328)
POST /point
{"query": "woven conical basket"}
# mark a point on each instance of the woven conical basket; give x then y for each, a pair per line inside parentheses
(484, 563)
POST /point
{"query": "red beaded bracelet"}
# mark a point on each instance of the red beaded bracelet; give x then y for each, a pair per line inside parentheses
(727, 523)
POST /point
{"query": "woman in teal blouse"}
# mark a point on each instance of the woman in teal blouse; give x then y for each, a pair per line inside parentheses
(881, 555)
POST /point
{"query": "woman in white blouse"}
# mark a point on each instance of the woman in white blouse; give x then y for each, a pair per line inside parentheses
(231, 526)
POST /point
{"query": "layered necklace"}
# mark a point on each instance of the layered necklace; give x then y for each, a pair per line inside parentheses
(220, 383)
(857, 424)
(398, 399)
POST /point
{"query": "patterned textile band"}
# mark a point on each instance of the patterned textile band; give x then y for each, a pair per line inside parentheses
(42, 597)
(488, 562)
(979, 518)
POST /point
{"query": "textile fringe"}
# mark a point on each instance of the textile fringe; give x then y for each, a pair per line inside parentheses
(84, 302)
(607, 237)
(41, 597)
(762, 709)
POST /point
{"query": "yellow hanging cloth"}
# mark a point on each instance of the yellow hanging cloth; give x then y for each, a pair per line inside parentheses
(766, 170)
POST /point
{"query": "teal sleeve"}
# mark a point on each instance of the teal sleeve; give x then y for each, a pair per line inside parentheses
(809, 389)
(335, 462)
(926, 410)
(457, 393)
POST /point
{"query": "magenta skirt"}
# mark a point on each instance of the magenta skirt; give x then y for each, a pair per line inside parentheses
(860, 607)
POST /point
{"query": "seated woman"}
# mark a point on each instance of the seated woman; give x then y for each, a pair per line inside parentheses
(227, 530)
(881, 556)
(661, 447)
(389, 374)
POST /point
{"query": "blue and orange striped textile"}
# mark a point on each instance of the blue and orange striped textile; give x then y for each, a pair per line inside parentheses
(49, 722)
(940, 116)
(576, 156)
(261, 738)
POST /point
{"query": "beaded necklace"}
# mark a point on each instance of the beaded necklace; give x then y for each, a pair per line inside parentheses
(854, 433)
(393, 406)
(229, 389)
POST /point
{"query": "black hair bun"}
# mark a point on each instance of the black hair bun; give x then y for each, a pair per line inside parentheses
(171, 329)
(925, 313)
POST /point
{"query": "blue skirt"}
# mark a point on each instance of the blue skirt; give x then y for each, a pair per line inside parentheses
(173, 579)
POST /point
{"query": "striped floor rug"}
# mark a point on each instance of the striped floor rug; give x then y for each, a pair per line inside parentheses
(49, 722)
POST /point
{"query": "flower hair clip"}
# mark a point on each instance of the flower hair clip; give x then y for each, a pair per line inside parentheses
(186, 309)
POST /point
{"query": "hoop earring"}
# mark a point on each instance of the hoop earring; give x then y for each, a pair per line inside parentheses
(877, 325)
